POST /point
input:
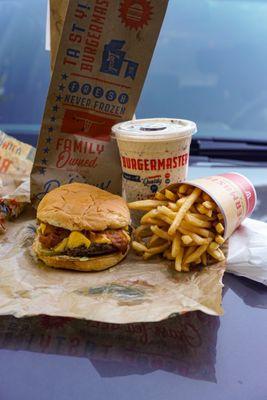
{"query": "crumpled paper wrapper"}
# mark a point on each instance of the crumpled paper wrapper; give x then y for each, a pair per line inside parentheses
(133, 291)
(16, 159)
(248, 251)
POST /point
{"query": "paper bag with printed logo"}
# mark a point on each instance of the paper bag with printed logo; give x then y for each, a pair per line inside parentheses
(102, 60)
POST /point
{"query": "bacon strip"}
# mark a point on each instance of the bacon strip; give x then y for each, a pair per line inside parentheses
(118, 239)
(53, 235)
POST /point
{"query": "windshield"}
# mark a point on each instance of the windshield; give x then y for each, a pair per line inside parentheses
(209, 65)
(24, 65)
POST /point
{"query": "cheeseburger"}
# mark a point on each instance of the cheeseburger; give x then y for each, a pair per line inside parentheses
(82, 227)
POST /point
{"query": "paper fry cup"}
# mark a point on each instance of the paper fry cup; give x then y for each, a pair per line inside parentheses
(233, 193)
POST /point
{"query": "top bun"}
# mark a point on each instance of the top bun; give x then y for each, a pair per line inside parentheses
(79, 206)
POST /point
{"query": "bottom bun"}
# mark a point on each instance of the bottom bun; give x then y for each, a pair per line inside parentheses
(99, 263)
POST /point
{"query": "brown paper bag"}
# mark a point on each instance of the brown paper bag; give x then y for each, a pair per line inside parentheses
(58, 9)
(101, 63)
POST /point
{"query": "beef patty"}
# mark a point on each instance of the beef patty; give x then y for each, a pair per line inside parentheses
(96, 249)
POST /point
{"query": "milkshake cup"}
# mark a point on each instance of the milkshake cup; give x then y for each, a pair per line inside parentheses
(154, 153)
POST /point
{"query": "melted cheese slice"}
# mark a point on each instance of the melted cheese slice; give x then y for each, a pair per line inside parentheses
(101, 238)
(42, 227)
(77, 239)
(59, 248)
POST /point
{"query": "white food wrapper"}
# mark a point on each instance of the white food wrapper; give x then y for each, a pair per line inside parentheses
(16, 160)
(247, 253)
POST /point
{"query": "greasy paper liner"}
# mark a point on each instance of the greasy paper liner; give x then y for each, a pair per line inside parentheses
(133, 291)
(184, 345)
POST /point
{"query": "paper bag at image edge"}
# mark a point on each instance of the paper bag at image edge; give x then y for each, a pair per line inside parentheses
(66, 124)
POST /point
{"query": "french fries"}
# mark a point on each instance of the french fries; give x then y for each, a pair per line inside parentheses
(183, 225)
(142, 231)
(179, 259)
(204, 259)
(160, 232)
(186, 239)
(219, 228)
(150, 214)
(147, 205)
(219, 239)
(169, 195)
(176, 246)
(166, 211)
(185, 207)
(139, 247)
(154, 241)
(196, 221)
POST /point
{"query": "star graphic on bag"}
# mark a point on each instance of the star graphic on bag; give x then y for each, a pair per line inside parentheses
(64, 77)
(55, 108)
(53, 118)
(49, 139)
(50, 129)
(42, 170)
(61, 87)
(46, 150)
(44, 161)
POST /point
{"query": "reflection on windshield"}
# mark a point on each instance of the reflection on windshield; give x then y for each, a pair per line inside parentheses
(210, 66)
(24, 67)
